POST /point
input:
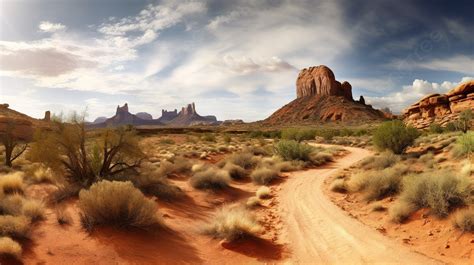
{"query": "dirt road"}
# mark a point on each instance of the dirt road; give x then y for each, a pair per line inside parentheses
(318, 232)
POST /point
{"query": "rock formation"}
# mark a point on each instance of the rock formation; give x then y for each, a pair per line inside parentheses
(440, 108)
(123, 117)
(167, 116)
(19, 125)
(144, 116)
(320, 97)
(188, 116)
(320, 80)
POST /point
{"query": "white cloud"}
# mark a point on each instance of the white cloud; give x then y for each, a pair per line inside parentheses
(459, 63)
(46, 26)
(245, 65)
(410, 94)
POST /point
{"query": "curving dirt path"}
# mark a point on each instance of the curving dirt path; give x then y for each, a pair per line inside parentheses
(318, 232)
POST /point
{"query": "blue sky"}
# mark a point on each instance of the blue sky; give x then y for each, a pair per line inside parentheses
(235, 59)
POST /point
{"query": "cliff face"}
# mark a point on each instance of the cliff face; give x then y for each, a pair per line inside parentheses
(19, 125)
(123, 117)
(320, 97)
(188, 116)
(440, 108)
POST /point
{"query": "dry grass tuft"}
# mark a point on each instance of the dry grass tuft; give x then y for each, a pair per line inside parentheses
(464, 220)
(12, 182)
(210, 178)
(14, 226)
(382, 161)
(33, 209)
(63, 216)
(378, 207)
(264, 175)
(263, 192)
(401, 211)
(338, 185)
(235, 171)
(253, 202)
(10, 248)
(116, 203)
(233, 222)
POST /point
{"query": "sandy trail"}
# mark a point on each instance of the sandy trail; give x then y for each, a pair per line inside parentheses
(318, 232)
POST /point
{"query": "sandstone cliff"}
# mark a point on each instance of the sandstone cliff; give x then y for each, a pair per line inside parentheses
(440, 108)
(20, 125)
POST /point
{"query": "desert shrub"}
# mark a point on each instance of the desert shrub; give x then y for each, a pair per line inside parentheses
(263, 192)
(256, 150)
(298, 134)
(208, 137)
(319, 158)
(377, 185)
(12, 182)
(292, 150)
(329, 134)
(264, 175)
(464, 122)
(242, 159)
(14, 226)
(167, 141)
(43, 175)
(210, 178)
(435, 128)
(441, 193)
(464, 220)
(401, 211)
(13, 143)
(382, 161)
(151, 182)
(338, 185)
(33, 209)
(86, 158)
(253, 202)
(64, 192)
(63, 216)
(464, 145)
(233, 222)
(427, 159)
(394, 136)
(235, 171)
(226, 138)
(10, 248)
(116, 203)
(287, 166)
(11, 204)
(264, 134)
(450, 127)
(180, 165)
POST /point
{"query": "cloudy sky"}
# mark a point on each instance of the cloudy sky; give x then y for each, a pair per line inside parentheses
(234, 58)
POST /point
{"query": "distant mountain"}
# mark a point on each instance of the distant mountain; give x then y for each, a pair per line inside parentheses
(124, 117)
(144, 116)
(186, 117)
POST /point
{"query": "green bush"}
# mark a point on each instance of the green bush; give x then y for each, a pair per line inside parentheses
(292, 150)
(394, 136)
(464, 144)
(116, 203)
(435, 128)
(441, 193)
(298, 134)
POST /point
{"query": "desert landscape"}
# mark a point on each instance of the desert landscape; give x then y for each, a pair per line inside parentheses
(304, 168)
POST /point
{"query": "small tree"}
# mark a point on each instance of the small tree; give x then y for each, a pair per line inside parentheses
(86, 158)
(464, 122)
(12, 137)
(394, 136)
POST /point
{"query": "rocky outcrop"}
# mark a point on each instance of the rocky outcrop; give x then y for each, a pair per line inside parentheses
(144, 116)
(167, 116)
(19, 125)
(123, 117)
(99, 120)
(320, 97)
(320, 80)
(440, 108)
(188, 117)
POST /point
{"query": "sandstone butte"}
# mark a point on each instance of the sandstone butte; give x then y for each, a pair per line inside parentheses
(320, 97)
(440, 108)
(19, 125)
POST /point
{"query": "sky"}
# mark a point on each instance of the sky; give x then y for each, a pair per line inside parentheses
(236, 59)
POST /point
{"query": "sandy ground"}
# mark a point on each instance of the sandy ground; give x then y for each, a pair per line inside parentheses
(318, 232)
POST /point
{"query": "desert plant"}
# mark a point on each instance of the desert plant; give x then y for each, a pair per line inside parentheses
(12, 182)
(242, 159)
(235, 171)
(338, 185)
(210, 178)
(166, 141)
(233, 222)
(63, 216)
(394, 136)
(264, 175)
(227, 139)
(464, 220)
(33, 209)
(11, 136)
(378, 207)
(319, 158)
(401, 211)
(180, 165)
(263, 192)
(84, 159)
(435, 128)
(116, 203)
(14, 226)
(253, 202)
(151, 182)
(464, 122)
(464, 145)
(292, 150)
(298, 134)
(440, 193)
(208, 137)
(10, 248)
(384, 160)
